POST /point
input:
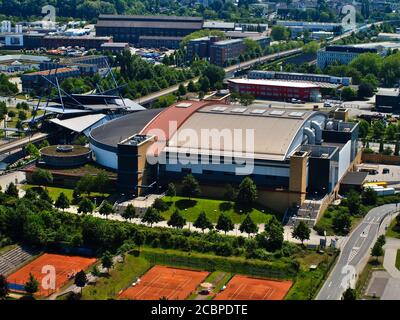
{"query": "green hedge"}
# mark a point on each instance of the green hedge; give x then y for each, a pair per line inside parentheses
(258, 268)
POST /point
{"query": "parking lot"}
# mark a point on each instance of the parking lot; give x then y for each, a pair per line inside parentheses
(393, 177)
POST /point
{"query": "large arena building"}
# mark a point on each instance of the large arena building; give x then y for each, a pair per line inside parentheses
(288, 153)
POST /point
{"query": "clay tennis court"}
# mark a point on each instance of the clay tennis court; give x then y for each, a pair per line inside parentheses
(245, 288)
(65, 268)
(160, 281)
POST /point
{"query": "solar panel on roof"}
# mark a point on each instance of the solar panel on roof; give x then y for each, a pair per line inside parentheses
(238, 110)
(258, 111)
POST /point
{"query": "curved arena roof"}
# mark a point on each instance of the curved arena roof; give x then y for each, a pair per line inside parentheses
(111, 133)
(275, 131)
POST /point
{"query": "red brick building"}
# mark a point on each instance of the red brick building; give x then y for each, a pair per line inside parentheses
(276, 90)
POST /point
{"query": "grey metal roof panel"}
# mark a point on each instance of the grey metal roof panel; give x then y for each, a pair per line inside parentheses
(114, 131)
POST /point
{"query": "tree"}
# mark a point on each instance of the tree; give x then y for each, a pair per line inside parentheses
(107, 260)
(248, 226)
(80, 279)
(369, 197)
(171, 190)
(214, 74)
(160, 205)
(381, 240)
(301, 231)
(230, 193)
(353, 202)
(272, 237)
(377, 250)
(367, 63)
(85, 206)
(397, 148)
(202, 222)
(32, 150)
(348, 94)
(191, 86)
(106, 209)
(365, 90)
(152, 216)
(279, 33)
(247, 192)
(44, 144)
(12, 190)
(86, 184)
(129, 212)
(311, 48)
(62, 202)
(350, 294)
(32, 285)
(42, 177)
(176, 220)
(246, 99)
(204, 84)
(190, 186)
(341, 222)
(363, 128)
(4, 290)
(182, 90)
(224, 223)
(100, 182)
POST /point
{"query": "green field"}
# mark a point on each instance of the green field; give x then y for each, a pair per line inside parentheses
(54, 192)
(393, 231)
(190, 209)
(308, 282)
(120, 278)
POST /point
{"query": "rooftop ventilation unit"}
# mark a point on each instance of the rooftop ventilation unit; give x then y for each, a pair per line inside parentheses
(219, 109)
(296, 114)
(257, 111)
(277, 113)
(238, 110)
(183, 105)
(325, 155)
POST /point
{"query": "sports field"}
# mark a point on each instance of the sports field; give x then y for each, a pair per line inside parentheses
(246, 288)
(164, 282)
(65, 268)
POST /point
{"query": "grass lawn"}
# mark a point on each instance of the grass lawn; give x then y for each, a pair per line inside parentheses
(308, 282)
(190, 209)
(218, 279)
(120, 278)
(54, 192)
(398, 260)
(326, 222)
(393, 231)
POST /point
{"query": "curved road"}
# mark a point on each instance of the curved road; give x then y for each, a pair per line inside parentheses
(355, 253)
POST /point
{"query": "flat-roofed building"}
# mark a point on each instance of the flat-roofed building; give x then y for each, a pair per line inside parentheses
(159, 42)
(124, 28)
(388, 100)
(37, 80)
(295, 76)
(276, 89)
(223, 52)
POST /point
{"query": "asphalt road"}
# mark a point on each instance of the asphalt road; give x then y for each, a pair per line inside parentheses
(354, 254)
